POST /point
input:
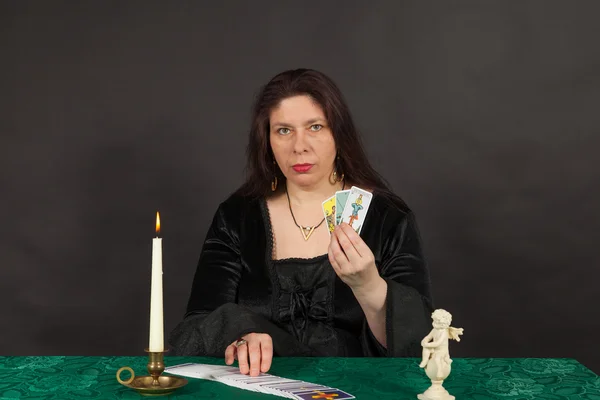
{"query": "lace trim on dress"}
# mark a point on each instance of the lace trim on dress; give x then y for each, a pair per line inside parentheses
(266, 213)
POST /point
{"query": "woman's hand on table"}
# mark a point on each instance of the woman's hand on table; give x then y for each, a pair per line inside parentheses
(254, 355)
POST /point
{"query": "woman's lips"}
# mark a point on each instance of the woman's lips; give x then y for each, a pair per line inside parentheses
(302, 167)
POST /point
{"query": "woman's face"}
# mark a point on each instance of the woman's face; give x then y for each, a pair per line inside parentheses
(302, 141)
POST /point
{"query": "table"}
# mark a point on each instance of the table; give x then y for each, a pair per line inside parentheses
(68, 377)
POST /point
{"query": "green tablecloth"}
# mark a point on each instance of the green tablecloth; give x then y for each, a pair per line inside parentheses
(366, 378)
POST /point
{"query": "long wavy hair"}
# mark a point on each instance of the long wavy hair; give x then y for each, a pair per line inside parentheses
(351, 159)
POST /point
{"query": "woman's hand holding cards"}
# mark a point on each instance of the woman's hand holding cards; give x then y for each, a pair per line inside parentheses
(354, 263)
(349, 255)
(352, 260)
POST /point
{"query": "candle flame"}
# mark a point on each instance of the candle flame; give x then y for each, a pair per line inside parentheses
(157, 223)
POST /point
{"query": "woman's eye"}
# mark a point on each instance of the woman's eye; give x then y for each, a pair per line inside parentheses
(283, 131)
(316, 127)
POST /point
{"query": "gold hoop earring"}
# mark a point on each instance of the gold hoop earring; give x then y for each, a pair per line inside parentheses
(335, 178)
(274, 184)
(334, 175)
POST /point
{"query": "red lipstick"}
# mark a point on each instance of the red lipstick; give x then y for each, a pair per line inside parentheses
(302, 167)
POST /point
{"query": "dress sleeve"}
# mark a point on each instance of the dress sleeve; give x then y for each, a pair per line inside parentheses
(219, 268)
(408, 303)
(213, 319)
(207, 327)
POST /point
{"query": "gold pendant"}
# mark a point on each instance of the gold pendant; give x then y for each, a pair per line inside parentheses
(306, 232)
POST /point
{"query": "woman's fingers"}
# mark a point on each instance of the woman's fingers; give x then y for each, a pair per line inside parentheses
(357, 242)
(333, 262)
(336, 252)
(344, 234)
(242, 355)
(254, 351)
(266, 348)
(254, 355)
(230, 354)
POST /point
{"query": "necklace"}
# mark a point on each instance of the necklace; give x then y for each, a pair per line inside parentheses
(306, 230)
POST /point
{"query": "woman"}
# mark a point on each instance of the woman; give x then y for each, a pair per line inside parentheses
(267, 283)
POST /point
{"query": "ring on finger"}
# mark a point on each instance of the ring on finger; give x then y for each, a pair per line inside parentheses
(240, 342)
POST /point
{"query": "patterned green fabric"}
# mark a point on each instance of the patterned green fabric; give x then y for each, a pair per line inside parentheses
(67, 378)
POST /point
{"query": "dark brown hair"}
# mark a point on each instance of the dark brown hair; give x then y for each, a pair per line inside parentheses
(351, 158)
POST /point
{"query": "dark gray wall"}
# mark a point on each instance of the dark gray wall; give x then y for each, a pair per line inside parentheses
(482, 115)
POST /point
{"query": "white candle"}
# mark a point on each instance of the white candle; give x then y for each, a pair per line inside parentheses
(156, 294)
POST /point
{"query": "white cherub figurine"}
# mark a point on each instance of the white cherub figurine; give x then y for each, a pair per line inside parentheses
(436, 358)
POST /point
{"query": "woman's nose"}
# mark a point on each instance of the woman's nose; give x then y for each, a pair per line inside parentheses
(300, 142)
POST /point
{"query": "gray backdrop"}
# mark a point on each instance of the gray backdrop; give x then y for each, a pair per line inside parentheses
(482, 115)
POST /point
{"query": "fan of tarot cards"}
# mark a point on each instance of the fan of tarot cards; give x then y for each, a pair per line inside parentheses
(348, 206)
(263, 383)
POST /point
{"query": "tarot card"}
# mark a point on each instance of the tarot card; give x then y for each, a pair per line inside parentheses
(309, 388)
(272, 387)
(246, 382)
(283, 388)
(356, 208)
(325, 394)
(261, 385)
(329, 213)
(201, 371)
(288, 385)
(340, 202)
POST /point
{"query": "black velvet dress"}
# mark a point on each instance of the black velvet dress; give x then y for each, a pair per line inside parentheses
(301, 303)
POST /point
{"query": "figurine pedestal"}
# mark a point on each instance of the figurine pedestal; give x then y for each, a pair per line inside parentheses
(435, 392)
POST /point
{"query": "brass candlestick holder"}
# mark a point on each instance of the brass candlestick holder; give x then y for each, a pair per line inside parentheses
(154, 384)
